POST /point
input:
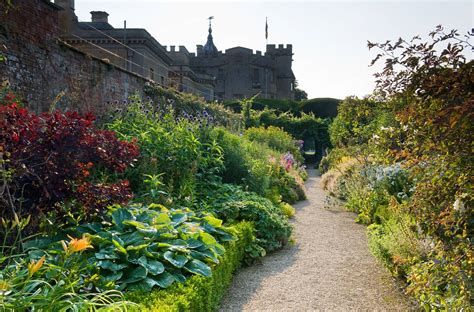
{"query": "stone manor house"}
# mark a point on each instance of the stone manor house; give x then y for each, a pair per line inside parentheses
(216, 75)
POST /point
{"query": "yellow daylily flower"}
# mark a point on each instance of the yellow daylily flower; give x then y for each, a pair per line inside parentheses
(76, 244)
(33, 267)
(4, 286)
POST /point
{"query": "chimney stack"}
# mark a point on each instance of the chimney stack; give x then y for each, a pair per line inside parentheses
(99, 17)
(67, 17)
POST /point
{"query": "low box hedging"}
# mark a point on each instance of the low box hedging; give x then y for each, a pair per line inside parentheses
(200, 293)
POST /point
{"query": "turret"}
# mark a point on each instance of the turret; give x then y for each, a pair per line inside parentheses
(209, 48)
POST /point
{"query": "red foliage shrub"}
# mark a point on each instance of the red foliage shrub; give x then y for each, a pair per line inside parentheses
(49, 158)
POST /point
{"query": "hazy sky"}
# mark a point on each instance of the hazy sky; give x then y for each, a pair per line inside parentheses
(329, 37)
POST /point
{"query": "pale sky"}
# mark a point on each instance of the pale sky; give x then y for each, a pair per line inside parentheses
(329, 37)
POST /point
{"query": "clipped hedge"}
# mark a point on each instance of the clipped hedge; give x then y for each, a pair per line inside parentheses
(200, 293)
(320, 107)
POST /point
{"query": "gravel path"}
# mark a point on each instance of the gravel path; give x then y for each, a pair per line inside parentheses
(329, 267)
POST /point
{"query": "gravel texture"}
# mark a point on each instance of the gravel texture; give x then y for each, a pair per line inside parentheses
(329, 268)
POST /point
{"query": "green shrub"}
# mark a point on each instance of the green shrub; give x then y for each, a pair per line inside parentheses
(231, 204)
(200, 293)
(369, 205)
(321, 107)
(258, 168)
(174, 152)
(287, 210)
(312, 130)
(395, 243)
(418, 129)
(276, 138)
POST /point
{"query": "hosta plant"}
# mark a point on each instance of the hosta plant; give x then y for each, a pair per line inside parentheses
(143, 247)
(232, 204)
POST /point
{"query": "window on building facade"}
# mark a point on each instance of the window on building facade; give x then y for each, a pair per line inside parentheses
(152, 74)
(220, 74)
(256, 75)
(162, 80)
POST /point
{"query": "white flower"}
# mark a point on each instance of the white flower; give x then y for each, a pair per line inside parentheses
(375, 137)
(458, 205)
(389, 129)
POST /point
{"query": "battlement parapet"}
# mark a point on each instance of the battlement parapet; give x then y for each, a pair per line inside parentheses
(271, 49)
(281, 49)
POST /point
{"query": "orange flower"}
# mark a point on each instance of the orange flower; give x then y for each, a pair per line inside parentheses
(76, 244)
(33, 267)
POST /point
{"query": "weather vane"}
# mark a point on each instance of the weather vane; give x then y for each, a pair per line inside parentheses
(210, 18)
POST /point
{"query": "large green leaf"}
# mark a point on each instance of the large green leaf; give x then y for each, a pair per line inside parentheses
(205, 255)
(194, 243)
(179, 218)
(208, 239)
(109, 265)
(112, 277)
(178, 276)
(90, 228)
(168, 235)
(155, 267)
(224, 236)
(198, 267)
(218, 249)
(162, 218)
(175, 259)
(134, 238)
(213, 221)
(208, 228)
(120, 215)
(178, 242)
(164, 280)
(144, 285)
(107, 253)
(38, 243)
(136, 274)
(148, 231)
(136, 224)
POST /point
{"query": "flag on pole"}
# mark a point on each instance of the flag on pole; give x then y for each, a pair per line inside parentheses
(266, 27)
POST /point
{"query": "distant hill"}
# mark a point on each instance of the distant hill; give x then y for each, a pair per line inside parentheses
(320, 107)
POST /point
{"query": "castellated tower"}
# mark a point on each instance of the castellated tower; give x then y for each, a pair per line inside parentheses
(285, 78)
(240, 72)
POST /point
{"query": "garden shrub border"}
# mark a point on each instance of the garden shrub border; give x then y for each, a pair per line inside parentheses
(200, 293)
